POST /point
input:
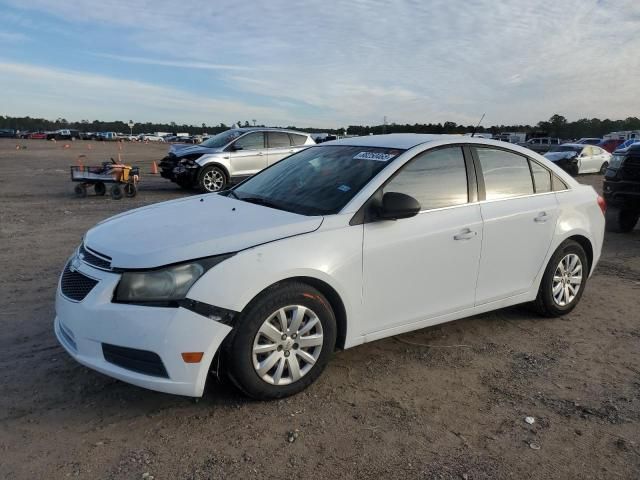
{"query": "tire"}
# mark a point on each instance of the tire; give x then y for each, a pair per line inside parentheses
(130, 190)
(100, 189)
(546, 303)
(80, 190)
(242, 363)
(620, 220)
(116, 192)
(604, 167)
(212, 179)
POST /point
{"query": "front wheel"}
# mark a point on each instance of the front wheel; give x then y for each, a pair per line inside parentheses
(212, 179)
(282, 342)
(563, 281)
(116, 192)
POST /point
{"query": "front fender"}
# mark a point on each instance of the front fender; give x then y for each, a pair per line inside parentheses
(235, 282)
(215, 158)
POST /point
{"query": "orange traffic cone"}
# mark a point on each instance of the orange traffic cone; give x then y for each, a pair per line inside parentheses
(154, 168)
(17, 147)
(66, 145)
(89, 146)
(79, 160)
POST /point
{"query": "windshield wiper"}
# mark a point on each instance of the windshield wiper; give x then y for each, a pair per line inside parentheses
(260, 201)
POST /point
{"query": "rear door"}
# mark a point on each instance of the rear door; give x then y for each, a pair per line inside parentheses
(425, 266)
(279, 146)
(519, 222)
(248, 155)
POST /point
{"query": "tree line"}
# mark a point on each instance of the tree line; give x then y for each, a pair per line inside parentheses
(556, 126)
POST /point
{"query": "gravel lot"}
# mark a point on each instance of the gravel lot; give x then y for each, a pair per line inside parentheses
(395, 408)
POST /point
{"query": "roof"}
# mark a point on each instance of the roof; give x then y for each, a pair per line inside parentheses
(577, 145)
(269, 129)
(403, 141)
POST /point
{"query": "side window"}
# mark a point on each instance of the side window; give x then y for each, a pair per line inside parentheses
(541, 178)
(297, 139)
(436, 179)
(597, 151)
(278, 140)
(251, 141)
(587, 151)
(535, 141)
(558, 185)
(505, 174)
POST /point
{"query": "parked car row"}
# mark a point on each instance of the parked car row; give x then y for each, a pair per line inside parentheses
(230, 156)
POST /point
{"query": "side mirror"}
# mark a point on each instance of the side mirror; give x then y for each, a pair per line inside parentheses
(233, 147)
(397, 205)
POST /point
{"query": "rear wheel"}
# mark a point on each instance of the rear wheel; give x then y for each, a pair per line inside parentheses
(563, 281)
(621, 220)
(282, 342)
(212, 179)
(80, 190)
(604, 167)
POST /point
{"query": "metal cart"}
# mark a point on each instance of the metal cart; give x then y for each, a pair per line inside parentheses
(124, 179)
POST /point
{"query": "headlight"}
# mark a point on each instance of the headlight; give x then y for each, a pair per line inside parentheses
(164, 285)
(616, 161)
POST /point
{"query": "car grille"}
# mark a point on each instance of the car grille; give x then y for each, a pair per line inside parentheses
(141, 361)
(75, 285)
(95, 259)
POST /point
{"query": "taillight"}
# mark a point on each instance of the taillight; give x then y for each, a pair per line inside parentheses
(602, 204)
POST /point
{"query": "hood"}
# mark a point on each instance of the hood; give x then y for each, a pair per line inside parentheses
(183, 149)
(189, 228)
(556, 156)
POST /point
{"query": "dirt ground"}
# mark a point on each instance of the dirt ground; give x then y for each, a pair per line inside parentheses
(389, 409)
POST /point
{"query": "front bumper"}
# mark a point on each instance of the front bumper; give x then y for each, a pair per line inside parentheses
(621, 193)
(82, 328)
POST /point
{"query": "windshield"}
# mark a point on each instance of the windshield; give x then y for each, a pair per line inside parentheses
(222, 139)
(567, 148)
(316, 181)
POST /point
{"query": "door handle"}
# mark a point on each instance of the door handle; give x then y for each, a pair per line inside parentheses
(466, 234)
(541, 218)
(260, 154)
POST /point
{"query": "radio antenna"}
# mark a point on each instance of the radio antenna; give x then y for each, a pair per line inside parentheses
(476, 127)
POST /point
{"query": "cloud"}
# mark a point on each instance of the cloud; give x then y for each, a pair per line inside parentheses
(34, 90)
(516, 60)
(13, 37)
(172, 63)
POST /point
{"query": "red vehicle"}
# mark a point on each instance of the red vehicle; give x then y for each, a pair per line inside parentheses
(610, 144)
(38, 135)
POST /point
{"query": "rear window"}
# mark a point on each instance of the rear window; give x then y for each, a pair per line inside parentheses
(541, 178)
(297, 139)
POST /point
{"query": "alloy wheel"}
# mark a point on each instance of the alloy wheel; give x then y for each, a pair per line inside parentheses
(213, 180)
(287, 345)
(567, 280)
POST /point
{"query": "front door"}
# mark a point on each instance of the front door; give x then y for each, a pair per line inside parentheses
(248, 155)
(518, 224)
(424, 266)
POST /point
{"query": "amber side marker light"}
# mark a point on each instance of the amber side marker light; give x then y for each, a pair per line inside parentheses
(192, 357)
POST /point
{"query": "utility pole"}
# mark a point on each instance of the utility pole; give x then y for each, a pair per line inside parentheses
(384, 125)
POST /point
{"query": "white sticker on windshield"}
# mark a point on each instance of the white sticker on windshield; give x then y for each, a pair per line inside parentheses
(378, 156)
(344, 188)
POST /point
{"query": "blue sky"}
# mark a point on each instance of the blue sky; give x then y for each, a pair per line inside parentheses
(320, 63)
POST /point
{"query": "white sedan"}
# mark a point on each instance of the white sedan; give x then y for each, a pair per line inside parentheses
(577, 158)
(341, 244)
